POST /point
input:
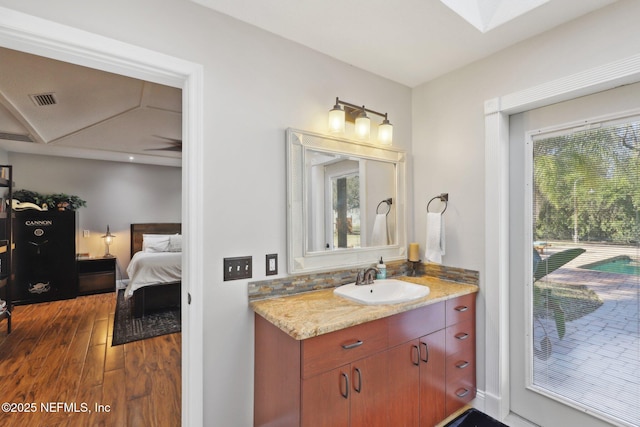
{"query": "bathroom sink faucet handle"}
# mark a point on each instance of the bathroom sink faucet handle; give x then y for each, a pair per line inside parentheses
(370, 274)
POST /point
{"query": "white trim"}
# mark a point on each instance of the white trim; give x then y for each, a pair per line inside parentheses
(496, 283)
(34, 35)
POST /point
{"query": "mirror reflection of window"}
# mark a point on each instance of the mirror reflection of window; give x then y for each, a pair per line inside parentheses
(346, 211)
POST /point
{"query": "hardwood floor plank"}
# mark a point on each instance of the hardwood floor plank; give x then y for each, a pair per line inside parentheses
(112, 395)
(114, 358)
(138, 381)
(93, 369)
(139, 412)
(99, 332)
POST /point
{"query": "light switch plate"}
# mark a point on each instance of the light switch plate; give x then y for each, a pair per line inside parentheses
(272, 264)
(237, 268)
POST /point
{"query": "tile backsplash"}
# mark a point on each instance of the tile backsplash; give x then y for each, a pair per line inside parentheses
(330, 279)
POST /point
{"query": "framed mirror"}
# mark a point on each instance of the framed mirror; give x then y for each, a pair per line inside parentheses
(346, 202)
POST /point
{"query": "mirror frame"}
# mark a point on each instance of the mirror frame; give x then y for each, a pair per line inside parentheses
(299, 260)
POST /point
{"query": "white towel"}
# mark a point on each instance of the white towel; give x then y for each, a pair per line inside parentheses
(380, 234)
(435, 238)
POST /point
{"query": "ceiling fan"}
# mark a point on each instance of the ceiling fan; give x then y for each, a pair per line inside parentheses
(174, 144)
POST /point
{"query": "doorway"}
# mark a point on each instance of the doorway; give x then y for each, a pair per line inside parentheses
(40, 37)
(564, 329)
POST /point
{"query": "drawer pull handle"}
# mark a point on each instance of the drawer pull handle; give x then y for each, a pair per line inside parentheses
(352, 345)
(359, 387)
(462, 336)
(425, 358)
(415, 360)
(345, 394)
(461, 308)
(462, 365)
(462, 393)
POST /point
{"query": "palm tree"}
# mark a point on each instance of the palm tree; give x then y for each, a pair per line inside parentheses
(543, 297)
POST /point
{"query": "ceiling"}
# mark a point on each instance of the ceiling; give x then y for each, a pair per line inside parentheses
(407, 41)
(96, 114)
(100, 115)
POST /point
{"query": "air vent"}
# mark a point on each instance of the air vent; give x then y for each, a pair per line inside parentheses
(15, 137)
(43, 99)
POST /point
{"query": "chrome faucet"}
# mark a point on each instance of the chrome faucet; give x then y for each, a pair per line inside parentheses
(366, 276)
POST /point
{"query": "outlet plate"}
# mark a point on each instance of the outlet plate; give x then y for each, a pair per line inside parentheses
(272, 264)
(237, 268)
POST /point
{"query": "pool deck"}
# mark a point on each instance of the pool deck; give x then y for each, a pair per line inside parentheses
(598, 360)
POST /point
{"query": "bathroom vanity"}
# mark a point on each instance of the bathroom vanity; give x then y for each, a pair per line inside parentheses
(322, 360)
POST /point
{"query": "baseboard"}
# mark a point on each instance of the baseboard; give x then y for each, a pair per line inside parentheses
(514, 420)
(481, 402)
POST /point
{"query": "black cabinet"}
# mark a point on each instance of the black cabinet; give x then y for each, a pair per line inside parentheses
(96, 275)
(45, 256)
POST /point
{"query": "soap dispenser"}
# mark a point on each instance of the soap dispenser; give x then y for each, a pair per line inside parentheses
(382, 270)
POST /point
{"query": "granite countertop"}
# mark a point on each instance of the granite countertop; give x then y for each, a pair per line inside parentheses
(314, 313)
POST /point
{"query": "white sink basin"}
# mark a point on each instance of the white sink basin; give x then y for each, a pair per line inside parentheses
(384, 291)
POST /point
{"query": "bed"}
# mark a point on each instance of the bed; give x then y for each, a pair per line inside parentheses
(154, 274)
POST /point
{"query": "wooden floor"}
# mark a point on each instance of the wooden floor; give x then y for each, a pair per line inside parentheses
(60, 353)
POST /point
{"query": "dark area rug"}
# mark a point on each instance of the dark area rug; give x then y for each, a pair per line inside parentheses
(126, 328)
(474, 418)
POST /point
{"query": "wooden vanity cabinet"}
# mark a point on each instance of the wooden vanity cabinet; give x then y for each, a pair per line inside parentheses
(410, 369)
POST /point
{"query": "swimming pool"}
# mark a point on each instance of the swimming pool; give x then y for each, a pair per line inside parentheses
(621, 264)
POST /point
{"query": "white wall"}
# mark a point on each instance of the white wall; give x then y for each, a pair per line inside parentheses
(448, 126)
(117, 194)
(256, 85)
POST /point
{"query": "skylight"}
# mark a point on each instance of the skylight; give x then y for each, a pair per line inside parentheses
(486, 15)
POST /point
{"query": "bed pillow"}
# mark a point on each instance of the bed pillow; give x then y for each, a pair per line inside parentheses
(175, 243)
(155, 242)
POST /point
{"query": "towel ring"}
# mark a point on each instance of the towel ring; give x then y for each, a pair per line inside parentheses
(444, 197)
(389, 202)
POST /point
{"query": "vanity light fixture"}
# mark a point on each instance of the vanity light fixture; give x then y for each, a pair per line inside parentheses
(358, 115)
(108, 240)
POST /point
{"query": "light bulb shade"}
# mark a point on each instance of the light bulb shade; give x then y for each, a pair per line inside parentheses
(336, 119)
(108, 240)
(385, 133)
(363, 126)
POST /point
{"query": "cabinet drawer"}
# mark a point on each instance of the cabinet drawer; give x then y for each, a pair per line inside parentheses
(460, 336)
(459, 394)
(96, 282)
(325, 352)
(460, 309)
(416, 323)
(461, 366)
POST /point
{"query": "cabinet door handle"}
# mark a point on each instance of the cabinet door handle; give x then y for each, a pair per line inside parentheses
(462, 364)
(345, 394)
(352, 345)
(359, 387)
(462, 336)
(416, 353)
(425, 359)
(461, 308)
(462, 393)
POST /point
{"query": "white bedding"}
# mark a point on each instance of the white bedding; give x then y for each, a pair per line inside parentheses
(153, 268)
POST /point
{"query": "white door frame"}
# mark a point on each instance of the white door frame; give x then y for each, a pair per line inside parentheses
(496, 268)
(37, 36)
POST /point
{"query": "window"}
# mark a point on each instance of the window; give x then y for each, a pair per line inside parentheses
(585, 346)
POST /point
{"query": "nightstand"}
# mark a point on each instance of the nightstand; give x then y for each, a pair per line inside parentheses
(96, 275)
